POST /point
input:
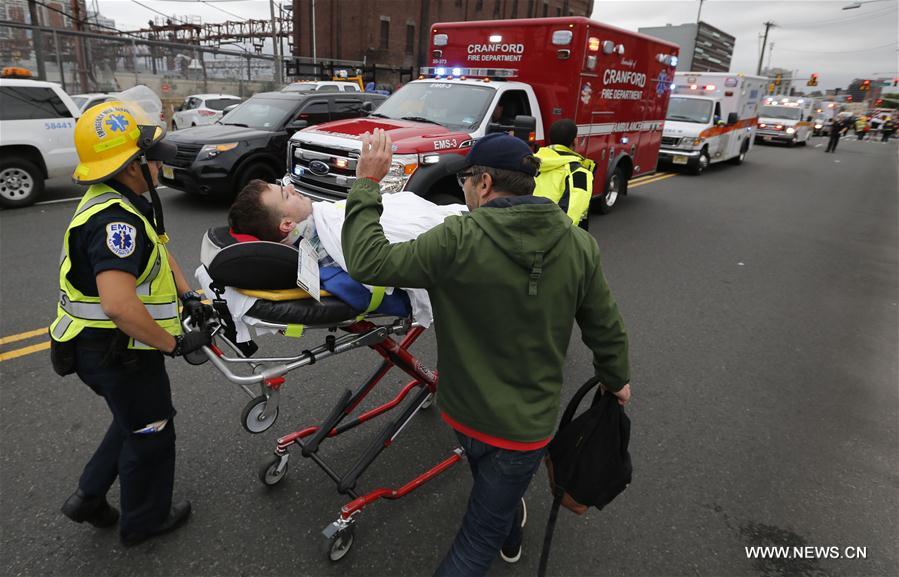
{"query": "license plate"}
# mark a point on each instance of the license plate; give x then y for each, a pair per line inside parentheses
(679, 159)
(768, 138)
(168, 172)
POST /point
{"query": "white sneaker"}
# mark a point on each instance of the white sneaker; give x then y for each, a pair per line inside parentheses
(509, 555)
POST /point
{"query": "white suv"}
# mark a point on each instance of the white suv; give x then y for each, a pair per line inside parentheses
(202, 109)
(321, 86)
(37, 138)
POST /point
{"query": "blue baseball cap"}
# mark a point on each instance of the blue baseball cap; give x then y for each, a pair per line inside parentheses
(500, 150)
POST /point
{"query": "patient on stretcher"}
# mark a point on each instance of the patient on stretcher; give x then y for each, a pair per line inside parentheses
(280, 214)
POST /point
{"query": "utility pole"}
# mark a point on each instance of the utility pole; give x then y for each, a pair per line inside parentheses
(698, 14)
(38, 40)
(768, 26)
(275, 44)
(79, 46)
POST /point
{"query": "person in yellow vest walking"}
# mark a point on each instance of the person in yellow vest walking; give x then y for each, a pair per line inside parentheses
(117, 315)
(565, 176)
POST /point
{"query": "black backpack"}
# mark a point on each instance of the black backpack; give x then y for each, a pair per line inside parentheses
(588, 458)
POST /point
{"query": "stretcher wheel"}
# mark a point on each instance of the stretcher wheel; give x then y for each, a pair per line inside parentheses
(251, 415)
(340, 543)
(196, 358)
(269, 474)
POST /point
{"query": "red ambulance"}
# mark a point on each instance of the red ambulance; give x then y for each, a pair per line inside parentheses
(507, 75)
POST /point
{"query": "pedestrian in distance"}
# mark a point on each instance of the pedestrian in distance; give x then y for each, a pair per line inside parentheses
(566, 177)
(507, 281)
(117, 315)
(861, 127)
(836, 130)
(887, 129)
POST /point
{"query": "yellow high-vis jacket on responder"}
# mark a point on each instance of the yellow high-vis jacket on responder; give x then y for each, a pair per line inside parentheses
(566, 178)
(155, 288)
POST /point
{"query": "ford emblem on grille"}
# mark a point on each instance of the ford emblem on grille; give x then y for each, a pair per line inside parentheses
(319, 168)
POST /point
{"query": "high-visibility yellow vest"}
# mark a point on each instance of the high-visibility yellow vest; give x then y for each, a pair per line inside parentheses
(558, 164)
(156, 288)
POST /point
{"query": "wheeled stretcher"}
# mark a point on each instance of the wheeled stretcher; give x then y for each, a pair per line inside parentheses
(258, 265)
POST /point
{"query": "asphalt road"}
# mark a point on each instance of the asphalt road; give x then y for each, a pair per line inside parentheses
(761, 303)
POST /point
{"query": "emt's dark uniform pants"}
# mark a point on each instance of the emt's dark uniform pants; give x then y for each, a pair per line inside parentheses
(136, 388)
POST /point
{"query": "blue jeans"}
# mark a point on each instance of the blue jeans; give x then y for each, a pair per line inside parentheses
(501, 478)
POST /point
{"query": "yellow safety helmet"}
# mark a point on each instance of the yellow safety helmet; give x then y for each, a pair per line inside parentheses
(108, 137)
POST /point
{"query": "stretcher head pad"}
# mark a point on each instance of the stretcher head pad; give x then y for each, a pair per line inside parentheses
(265, 266)
(258, 264)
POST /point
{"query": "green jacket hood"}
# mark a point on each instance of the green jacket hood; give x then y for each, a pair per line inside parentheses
(523, 226)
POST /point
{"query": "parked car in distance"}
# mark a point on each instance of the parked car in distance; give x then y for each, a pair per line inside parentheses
(37, 138)
(202, 110)
(251, 141)
(85, 101)
(321, 86)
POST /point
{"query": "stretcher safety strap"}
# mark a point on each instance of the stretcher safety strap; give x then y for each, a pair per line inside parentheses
(295, 331)
(377, 297)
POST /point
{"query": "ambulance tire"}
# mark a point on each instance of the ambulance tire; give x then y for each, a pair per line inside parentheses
(616, 187)
(738, 159)
(21, 182)
(702, 162)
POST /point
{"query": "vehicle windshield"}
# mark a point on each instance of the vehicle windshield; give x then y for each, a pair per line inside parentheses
(456, 106)
(784, 112)
(79, 100)
(221, 103)
(262, 113)
(689, 110)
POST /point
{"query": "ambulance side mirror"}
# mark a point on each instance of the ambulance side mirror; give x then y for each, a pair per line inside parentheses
(524, 126)
(732, 118)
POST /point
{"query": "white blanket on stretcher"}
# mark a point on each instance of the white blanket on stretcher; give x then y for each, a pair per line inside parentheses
(405, 217)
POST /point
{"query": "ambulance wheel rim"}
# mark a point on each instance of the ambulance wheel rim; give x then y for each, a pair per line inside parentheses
(703, 161)
(15, 184)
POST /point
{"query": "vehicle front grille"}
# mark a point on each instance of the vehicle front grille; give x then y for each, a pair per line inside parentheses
(670, 140)
(341, 165)
(186, 155)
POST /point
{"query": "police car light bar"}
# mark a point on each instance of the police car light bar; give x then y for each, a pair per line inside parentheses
(478, 72)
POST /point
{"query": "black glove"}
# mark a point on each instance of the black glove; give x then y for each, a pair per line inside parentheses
(190, 342)
(198, 312)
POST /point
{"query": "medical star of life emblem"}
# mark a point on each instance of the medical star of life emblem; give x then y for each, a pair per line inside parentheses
(117, 122)
(663, 83)
(120, 239)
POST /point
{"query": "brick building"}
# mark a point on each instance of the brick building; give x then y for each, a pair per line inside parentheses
(395, 32)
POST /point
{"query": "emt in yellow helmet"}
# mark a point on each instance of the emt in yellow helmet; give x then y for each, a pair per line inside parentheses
(117, 315)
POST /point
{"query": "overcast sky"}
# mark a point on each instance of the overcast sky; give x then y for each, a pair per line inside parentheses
(811, 35)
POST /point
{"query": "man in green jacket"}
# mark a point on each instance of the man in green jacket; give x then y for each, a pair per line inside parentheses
(506, 281)
(565, 176)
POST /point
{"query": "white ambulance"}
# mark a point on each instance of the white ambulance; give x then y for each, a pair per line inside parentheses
(711, 118)
(786, 119)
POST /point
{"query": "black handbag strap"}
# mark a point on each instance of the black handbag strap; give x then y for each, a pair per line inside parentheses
(550, 529)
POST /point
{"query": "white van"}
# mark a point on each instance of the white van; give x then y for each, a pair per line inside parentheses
(37, 138)
(711, 118)
(785, 119)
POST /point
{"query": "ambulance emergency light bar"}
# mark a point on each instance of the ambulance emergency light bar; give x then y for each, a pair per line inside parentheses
(699, 87)
(476, 72)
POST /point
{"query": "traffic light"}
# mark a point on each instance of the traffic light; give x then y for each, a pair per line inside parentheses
(849, 98)
(813, 81)
(778, 78)
(866, 85)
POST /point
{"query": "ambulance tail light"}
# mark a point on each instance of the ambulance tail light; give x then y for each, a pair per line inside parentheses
(593, 44)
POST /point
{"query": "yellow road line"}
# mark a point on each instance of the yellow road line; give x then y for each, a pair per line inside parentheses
(650, 176)
(24, 351)
(22, 336)
(650, 181)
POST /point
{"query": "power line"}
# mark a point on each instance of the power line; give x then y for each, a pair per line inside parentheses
(168, 16)
(871, 49)
(81, 20)
(212, 5)
(880, 12)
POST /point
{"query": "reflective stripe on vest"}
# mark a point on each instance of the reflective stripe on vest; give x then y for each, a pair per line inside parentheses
(155, 288)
